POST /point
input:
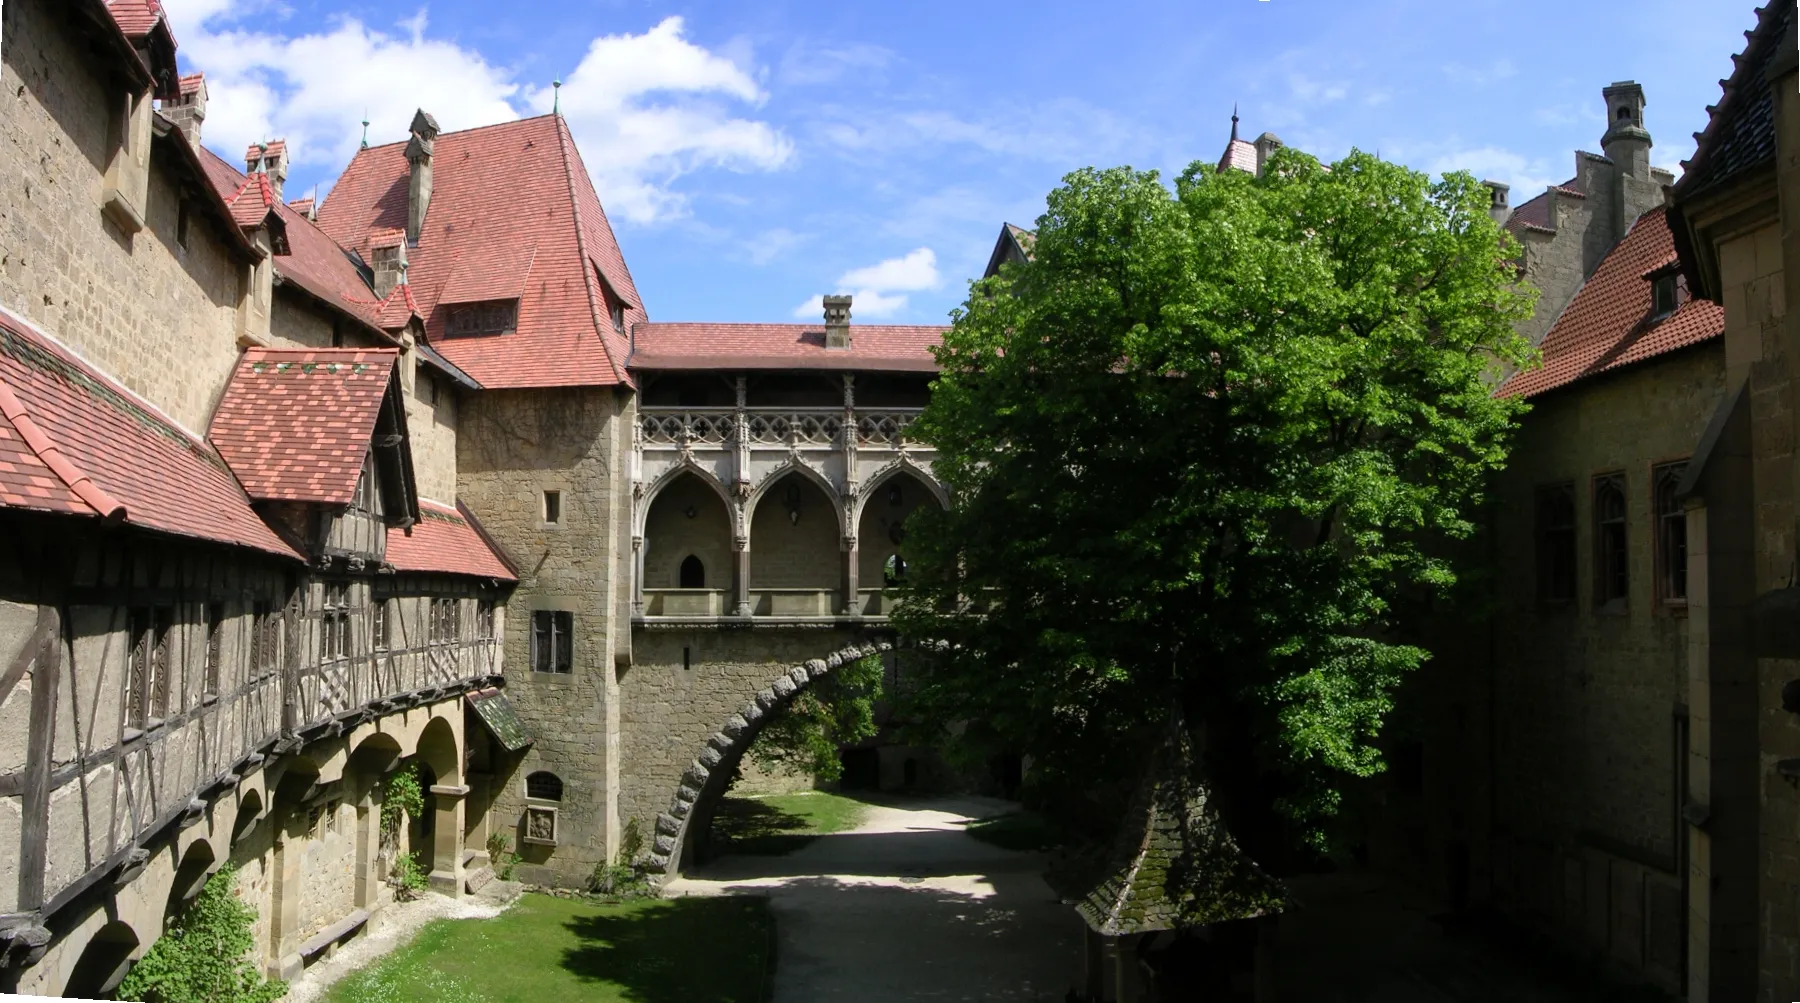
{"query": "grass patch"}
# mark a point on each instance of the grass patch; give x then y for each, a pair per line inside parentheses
(547, 948)
(1019, 830)
(781, 823)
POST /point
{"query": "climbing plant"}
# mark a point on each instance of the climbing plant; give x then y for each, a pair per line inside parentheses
(402, 797)
(838, 709)
(204, 955)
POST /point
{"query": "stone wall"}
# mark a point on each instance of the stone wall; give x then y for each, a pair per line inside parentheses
(670, 535)
(159, 317)
(787, 554)
(431, 427)
(512, 446)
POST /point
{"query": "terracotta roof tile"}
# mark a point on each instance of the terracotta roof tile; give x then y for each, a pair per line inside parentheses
(783, 346)
(136, 18)
(445, 539)
(302, 206)
(74, 441)
(1239, 155)
(273, 148)
(1534, 213)
(253, 201)
(295, 425)
(505, 199)
(190, 84)
(1608, 326)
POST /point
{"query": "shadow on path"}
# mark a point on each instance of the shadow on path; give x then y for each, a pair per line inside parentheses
(658, 953)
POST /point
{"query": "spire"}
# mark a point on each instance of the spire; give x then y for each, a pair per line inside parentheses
(365, 139)
(556, 102)
(1234, 121)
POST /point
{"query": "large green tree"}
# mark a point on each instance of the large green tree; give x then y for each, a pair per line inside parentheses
(1200, 447)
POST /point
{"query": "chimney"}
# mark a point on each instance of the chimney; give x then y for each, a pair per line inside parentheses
(1266, 145)
(418, 154)
(1626, 143)
(837, 322)
(270, 158)
(1498, 207)
(188, 109)
(389, 252)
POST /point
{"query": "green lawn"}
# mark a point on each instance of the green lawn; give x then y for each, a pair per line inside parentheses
(781, 823)
(548, 950)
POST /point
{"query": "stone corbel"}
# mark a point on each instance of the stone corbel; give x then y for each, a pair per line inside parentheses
(23, 946)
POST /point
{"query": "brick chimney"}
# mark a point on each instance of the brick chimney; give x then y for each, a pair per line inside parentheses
(418, 154)
(188, 109)
(1636, 186)
(1498, 206)
(270, 158)
(388, 249)
(837, 321)
(1266, 145)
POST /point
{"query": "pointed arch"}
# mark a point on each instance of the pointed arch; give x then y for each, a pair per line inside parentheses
(902, 464)
(793, 465)
(688, 465)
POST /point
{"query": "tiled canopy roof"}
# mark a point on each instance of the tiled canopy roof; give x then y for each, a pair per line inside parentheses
(1608, 325)
(1740, 129)
(253, 201)
(73, 441)
(507, 201)
(295, 425)
(783, 346)
(448, 540)
(136, 17)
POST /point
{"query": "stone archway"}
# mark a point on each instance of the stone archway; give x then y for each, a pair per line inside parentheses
(705, 780)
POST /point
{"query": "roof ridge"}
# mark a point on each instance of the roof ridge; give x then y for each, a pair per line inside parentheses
(588, 266)
(83, 486)
(462, 132)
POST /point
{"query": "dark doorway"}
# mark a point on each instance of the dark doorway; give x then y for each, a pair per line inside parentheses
(862, 769)
(693, 573)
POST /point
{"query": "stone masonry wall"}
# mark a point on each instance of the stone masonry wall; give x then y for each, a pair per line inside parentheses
(786, 554)
(512, 446)
(670, 535)
(158, 317)
(431, 427)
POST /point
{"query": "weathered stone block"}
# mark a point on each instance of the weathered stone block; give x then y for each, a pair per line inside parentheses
(735, 725)
(817, 667)
(665, 845)
(784, 686)
(668, 825)
(710, 757)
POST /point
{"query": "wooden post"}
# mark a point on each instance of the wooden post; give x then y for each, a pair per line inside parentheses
(44, 653)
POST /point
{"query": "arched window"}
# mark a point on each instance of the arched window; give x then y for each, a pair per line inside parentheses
(1611, 567)
(1624, 113)
(543, 786)
(693, 573)
(895, 569)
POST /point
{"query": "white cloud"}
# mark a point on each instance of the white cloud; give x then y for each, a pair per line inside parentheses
(1307, 89)
(1526, 176)
(807, 65)
(879, 290)
(644, 108)
(771, 244)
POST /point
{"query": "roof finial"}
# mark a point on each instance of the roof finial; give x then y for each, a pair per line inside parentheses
(365, 140)
(556, 102)
(1234, 121)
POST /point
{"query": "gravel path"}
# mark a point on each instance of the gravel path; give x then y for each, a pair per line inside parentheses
(907, 906)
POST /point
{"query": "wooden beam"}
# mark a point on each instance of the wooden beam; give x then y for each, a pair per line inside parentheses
(34, 826)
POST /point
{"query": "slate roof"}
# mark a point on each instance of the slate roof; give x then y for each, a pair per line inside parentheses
(874, 347)
(1173, 865)
(1740, 129)
(74, 441)
(1608, 326)
(446, 539)
(295, 425)
(515, 202)
(496, 712)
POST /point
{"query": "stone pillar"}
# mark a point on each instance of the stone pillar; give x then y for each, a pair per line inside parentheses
(366, 854)
(447, 839)
(479, 804)
(284, 960)
(637, 576)
(852, 563)
(740, 577)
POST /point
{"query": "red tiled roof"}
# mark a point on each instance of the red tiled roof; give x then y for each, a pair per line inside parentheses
(1607, 325)
(444, 540)
(302, 206)
(274, 148)
(295, 425)
(498, 193)
(75, 442)
(253, 201)
(190, 84)
(136, 17)
(1240, 155)
(1534, 213)
(314, 261)
(783, 346)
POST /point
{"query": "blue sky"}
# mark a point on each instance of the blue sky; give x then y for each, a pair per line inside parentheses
(755, 155)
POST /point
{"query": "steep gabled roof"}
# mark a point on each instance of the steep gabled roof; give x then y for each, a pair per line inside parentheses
(1534, 213)
(75, 442)
(1740, 129)
(509, 202)
(1608, 325)
(147, 26)
(1239, 155)
(296, 425)
(874, 347)
(1014, 245)
(446, 539)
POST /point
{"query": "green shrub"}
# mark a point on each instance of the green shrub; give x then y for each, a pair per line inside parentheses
(204, 956)
(407, 877)
(500, 856)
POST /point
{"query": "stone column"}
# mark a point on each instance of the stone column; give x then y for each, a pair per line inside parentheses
(447, 839)
(366, 850)
(284, 891)
(479, 804)
(852, 563)
(740, 577)
(637, 576)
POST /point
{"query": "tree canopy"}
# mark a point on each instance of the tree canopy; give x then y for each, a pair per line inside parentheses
(1199, 447)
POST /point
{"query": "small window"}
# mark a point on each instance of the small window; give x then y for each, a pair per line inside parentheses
(894, 571)
(1612, 577)
(215, 638)
(484, 620)
(544, 786)
(693, 573)
(147, 683)
(378, 624)
(1556, 545)
(334, 623)
(181, 224)
(337, 334)
(553, 508)
(1671, 535)
(552, 641)
(265, 640)
(431, 389)
(481, 318)
(1624, 113)
(1664, 295)
(446, 621)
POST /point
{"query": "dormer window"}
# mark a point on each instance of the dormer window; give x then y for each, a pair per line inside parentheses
(495, 317)
(618, 316)
(1663, 296)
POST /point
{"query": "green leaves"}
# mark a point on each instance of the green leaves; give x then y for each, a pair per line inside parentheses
(1198, 446)
(204, 955)
(838, 709)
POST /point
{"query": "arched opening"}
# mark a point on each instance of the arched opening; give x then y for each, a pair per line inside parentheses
(250, 809)
(544, 786)
(197, 864)
(686, 531)
(1624, 113)
(693, 572)
(881, 536)
(795, 550)
(103, 963)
